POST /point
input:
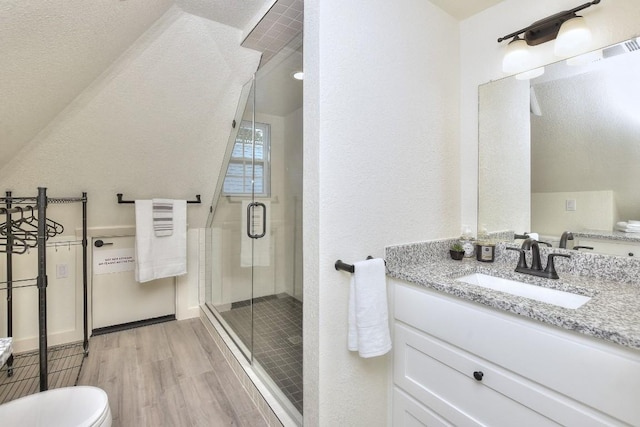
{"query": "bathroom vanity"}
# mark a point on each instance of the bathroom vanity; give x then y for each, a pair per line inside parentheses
(468, 355)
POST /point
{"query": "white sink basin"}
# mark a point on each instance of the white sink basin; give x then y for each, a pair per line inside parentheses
(538, 293)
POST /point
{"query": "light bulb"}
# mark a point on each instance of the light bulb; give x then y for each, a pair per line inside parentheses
(517, 58)
(573, 38)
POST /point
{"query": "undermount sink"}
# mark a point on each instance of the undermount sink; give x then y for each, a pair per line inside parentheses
(538, 293)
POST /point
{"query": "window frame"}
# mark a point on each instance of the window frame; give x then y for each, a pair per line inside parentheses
(248, 163)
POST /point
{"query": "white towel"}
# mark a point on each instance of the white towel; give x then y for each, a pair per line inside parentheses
(628, 227)
(368, 312)
(255, 252)
(162, 217)
(158, 257)
(534, 236)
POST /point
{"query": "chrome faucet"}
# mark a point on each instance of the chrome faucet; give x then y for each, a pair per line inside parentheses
(567, 235)
(536, 267)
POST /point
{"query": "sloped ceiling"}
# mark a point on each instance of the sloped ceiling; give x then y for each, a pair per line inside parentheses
(52, 50)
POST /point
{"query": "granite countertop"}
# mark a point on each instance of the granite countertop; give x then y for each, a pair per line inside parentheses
(609, 235)
(6, 349)
(612, 313)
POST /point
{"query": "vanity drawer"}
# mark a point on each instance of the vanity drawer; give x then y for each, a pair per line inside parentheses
(601, 377)
(408, 412)
(442, 377)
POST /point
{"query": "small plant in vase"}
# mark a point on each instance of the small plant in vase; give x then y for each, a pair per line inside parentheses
(456, 251)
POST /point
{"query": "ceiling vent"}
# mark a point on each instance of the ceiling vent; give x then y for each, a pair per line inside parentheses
(631, 45)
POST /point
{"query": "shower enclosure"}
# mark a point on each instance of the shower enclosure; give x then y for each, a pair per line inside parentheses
(254, 232)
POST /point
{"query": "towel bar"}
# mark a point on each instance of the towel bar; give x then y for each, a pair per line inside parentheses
(347, 267)
(197, 200)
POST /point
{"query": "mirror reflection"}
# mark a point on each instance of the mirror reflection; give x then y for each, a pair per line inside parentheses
(562, 152)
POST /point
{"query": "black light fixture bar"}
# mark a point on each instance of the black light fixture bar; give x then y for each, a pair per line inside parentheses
(546, 29)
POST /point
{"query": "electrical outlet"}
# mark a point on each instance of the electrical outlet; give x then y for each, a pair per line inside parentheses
(62, 271)
(570, 204)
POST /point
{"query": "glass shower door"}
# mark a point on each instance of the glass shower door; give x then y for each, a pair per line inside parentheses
(277, 257)
(254, 233)
(229, 251)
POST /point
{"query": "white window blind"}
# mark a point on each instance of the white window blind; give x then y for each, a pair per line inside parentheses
(237, 181)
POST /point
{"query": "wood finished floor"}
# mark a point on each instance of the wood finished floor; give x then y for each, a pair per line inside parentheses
(169, 374)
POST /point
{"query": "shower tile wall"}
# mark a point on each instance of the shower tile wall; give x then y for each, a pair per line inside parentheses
(278, 27)
(277, 344)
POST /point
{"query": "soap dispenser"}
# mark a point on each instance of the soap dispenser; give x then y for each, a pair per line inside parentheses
(467, 241)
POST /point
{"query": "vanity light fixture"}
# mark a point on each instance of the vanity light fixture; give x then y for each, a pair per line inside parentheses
(298, 75)
(568, 29)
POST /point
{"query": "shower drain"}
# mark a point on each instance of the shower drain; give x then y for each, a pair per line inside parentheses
(295, 339)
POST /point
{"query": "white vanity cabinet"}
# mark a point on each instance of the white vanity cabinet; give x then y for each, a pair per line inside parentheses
(610, 247)
(463, 364)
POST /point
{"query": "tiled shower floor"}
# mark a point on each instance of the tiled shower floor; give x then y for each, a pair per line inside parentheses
(277, 339)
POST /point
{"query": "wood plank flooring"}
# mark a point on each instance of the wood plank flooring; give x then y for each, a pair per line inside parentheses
(168, 374)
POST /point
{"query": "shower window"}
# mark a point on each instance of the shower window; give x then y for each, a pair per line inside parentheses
(237, 181)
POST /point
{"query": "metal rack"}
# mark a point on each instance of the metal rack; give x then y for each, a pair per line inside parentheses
(18, 240)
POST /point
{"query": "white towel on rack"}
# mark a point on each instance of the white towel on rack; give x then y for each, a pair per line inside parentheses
(368, 311)
(165, 256)
(162, 217)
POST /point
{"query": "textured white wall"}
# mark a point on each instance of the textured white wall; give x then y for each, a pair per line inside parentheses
(481, 61)
(595, 210)
(600, 151)
(155, 124)
(51, 51)
(504, 185)
(381, 167)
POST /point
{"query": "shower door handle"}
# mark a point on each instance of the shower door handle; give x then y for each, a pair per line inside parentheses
(250, 207)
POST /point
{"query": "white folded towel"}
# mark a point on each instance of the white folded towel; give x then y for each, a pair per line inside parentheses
(628, 227)
(368, 312)
(162, 217)
(165, 256)
(534, 236)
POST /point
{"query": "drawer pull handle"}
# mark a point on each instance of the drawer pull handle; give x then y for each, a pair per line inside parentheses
(478, 375)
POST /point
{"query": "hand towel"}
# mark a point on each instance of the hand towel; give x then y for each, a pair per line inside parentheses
(534, 236)
(368, 311)
(255, 252)
(162, 217)
(165, 256)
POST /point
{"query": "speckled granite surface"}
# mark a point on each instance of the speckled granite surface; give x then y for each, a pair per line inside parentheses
(609, 235)
(613, 283)
(5, 350)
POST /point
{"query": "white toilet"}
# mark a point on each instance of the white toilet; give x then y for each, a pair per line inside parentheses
(80, 406)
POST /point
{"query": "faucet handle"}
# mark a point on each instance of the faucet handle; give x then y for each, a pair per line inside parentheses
(550, 270)
(522, 261)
